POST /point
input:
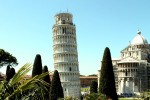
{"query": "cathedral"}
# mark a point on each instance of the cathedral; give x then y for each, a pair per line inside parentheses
(132, 69)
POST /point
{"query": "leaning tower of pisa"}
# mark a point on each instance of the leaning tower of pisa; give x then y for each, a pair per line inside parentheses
(65, 54)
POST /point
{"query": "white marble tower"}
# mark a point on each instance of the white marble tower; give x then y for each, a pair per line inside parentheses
(65, 54)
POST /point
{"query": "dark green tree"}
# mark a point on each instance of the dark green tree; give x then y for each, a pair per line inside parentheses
(7, 59)
(107, 79)
(93, 87)
(46, 79)
(10, 72)
(56, 90)
(7, 73)
(37, 66)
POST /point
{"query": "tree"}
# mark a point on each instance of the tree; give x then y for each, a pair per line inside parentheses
(7, 73)
(46, 79)
(56, 90)
(7, 59)
(93, 96)
(10, 72)
(107, 79)
(93, 87)
(19, 89)
(92, 75)
(37, 66)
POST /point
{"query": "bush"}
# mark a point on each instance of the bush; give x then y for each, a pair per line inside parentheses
(93, 87)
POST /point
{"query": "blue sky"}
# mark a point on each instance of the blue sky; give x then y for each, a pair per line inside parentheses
(26, 28)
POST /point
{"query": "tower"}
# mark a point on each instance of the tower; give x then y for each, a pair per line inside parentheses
(65, 54)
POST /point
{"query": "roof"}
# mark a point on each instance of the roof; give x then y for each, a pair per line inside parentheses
(129, 60)
(139, 39)
(88, 77)
(113, 59)
(63, 13)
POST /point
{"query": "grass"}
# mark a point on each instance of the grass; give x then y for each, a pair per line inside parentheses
(130, 99)
(83, 89)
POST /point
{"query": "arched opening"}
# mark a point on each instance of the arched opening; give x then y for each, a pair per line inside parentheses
(69, 68)
(63, 21)
(63, 30)
(126, 72)
(130, 53)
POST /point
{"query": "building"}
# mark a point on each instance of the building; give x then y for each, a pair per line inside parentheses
(132, 69)
(86, 81)
(65, 54)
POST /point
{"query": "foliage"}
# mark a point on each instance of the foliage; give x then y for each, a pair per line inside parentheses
(132, 99)
(107, 80)
(19, 89)
(10, 72)
(93, 75)
(7, 59)
(102, 97)
(93, 96)
(69, 98)
(7, 73)
(82, 75)
(56, 90)
(37, 66)
(93, 87)
(85, 89)
(46, 79)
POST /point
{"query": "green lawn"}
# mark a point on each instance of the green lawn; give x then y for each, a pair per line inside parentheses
(85, 89)
(130, 99)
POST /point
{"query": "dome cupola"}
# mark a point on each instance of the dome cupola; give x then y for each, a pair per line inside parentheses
(139, 39)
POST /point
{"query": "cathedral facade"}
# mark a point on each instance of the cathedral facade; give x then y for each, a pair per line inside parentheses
(132, 69)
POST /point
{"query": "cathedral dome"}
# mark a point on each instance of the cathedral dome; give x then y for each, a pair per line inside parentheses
(139, 39)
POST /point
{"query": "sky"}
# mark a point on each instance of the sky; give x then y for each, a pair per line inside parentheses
(26, 28)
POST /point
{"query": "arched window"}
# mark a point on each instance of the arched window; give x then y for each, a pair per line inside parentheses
(126, 72)
(69, 68)
(130, 53)
(63, 21)
(63, 30)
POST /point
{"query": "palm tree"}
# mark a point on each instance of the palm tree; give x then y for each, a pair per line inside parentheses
(19, 89)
